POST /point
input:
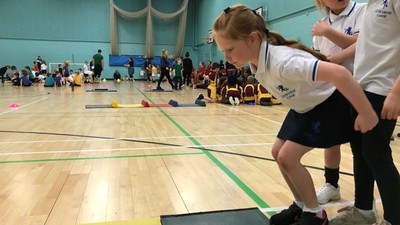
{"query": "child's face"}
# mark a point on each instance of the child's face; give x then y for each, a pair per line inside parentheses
(337, 6)
(236, 52)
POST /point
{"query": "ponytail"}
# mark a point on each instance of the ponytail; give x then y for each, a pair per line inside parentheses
(276, 39)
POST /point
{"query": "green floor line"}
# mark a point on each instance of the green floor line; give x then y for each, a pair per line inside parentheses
(96, 158)
(257, 199)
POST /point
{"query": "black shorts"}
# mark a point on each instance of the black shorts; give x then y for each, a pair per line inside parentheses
(97, 70)
(326, 125)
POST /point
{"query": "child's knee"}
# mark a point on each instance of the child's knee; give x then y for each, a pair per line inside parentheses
(275, 153)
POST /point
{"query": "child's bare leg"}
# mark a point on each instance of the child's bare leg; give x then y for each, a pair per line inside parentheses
(297, 175)
(276, 148)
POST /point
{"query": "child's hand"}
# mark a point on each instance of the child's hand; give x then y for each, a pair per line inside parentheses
(320, 28)
(391, 107)
(366, 121)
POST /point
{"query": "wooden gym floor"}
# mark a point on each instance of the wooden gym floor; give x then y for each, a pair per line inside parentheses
(63, 164)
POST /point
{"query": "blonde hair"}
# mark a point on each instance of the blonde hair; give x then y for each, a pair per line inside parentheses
(163, 52)
(238, 22)
(322, 7)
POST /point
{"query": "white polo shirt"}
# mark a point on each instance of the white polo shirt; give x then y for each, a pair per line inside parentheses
(348, 22)
(290, 75)
(377, 61)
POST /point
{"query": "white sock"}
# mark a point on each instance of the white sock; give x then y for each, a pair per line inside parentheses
(366, 213)
(316, 210)
(300, 204)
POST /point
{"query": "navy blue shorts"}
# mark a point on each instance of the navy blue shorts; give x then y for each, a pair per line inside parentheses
(326, 125)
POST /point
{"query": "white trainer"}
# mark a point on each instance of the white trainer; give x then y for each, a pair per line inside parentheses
(350, 215)
(237, 101)
(231, 100)
(328, 193)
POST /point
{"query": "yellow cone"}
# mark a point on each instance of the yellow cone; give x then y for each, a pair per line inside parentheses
(114, 104)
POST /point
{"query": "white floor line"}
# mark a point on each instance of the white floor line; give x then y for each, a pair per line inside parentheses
(128, 149)
(253, 115)
(11, 110)
(144, 138)
(328, 205)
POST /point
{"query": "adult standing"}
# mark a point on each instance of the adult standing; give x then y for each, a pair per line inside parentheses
(187, 69)
(164, 64)
(147, 69)
(131, 69)
(39, 62)
(98, 63)
(3, 71)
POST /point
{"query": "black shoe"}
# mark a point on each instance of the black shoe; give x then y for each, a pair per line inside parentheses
(308, 218)
(200, 96)
(287, 216)
(159, 88)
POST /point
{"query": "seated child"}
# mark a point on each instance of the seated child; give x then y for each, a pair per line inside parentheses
(41, 78)
(231, 92)
(117, 75)
(249, 91)
(49, 81)
(88, 74)
(16, 81)
(25, 82)
(78, 78)
(58, 79)
(263, 96)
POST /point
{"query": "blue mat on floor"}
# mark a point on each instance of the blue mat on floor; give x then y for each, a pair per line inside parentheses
(250, 216)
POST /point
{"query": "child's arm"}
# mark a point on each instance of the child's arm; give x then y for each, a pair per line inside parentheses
(344, 55)
(391, 106)
(340, 39)
(348, 86)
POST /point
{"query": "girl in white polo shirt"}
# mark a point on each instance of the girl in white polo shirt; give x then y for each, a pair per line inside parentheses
(334, 35)
(377, 69)
(312, 88)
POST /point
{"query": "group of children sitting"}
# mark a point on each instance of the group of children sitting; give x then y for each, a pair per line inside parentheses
(50, 80)
(225, 88)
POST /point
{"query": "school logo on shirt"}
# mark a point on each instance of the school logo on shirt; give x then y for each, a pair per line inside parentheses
(385, 3)
(385, 11)
(348, 31)
(288, 93)
(281, 88)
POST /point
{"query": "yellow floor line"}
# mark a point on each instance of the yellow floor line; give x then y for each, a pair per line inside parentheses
(151, 221)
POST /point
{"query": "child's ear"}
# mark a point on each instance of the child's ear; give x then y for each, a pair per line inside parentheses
(254, 36)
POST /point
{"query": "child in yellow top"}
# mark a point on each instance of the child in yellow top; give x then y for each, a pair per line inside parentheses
(78, 78)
